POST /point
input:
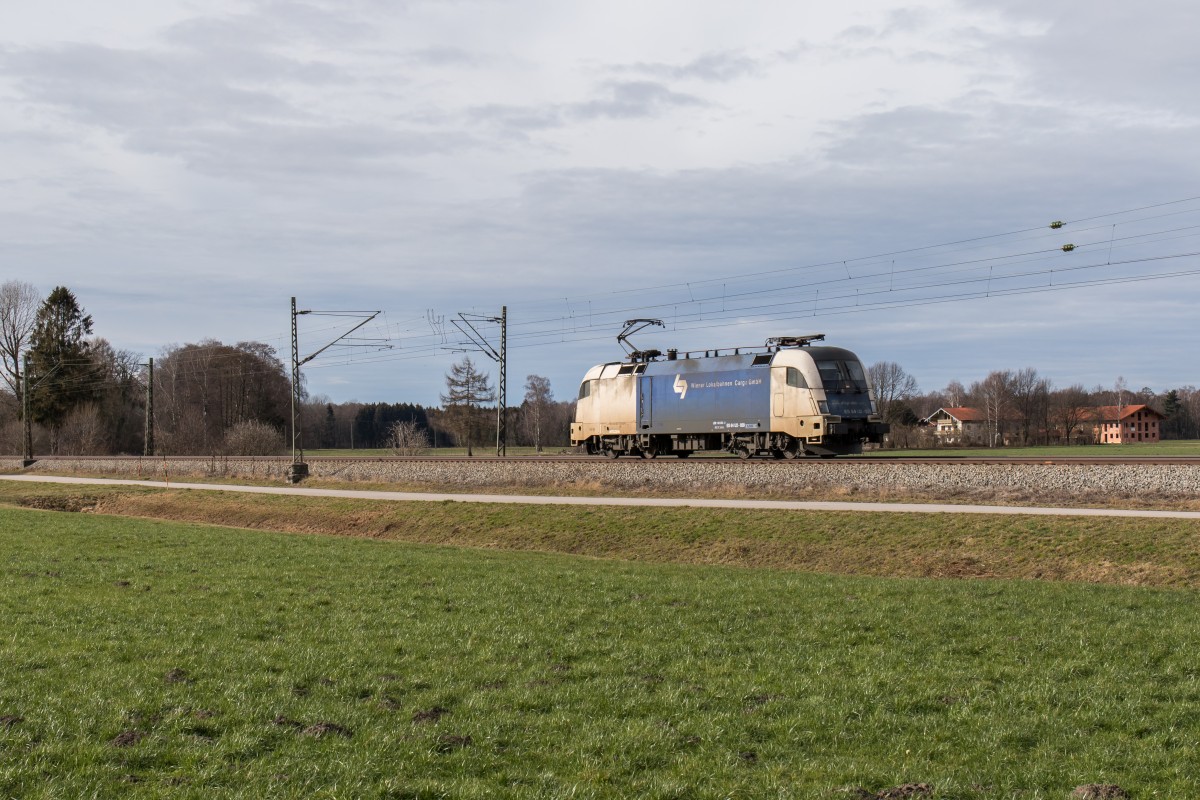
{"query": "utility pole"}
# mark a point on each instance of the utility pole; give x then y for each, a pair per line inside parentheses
(502, 400)
(299, 470)
(500, 356)
(28, 426)
(148, 447)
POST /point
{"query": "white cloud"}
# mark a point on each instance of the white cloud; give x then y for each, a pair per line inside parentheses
(187, 168)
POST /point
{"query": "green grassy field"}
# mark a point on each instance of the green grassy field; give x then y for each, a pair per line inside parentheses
(150, 659)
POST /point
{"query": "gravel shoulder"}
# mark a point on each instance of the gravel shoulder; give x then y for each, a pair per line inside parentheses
(1132, 486)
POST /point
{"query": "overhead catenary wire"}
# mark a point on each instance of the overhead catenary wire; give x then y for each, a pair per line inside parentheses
(412, 336)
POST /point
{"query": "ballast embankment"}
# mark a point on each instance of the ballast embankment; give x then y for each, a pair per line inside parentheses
(783, 479)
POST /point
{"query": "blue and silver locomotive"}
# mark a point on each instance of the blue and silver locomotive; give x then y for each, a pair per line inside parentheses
(786, 399)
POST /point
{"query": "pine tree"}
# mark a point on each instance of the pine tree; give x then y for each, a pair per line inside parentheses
(62, 372)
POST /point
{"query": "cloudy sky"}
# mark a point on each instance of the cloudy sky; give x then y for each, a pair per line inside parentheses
(884, 174)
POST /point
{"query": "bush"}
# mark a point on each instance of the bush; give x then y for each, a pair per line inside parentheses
(253, 438)
(408, 439)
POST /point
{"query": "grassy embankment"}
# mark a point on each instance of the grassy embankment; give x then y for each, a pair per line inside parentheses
(142, 658)
(1144, 552)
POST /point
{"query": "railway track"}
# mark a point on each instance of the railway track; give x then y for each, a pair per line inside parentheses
(667, 462)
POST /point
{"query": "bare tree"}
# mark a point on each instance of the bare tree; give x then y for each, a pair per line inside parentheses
(19, 304)
(1069, 407)
(955, 394)
(893, 388)
(994, 394)
(1031, 401)
(205, 389)
(466, 389)
(408, 438)
(537, 398)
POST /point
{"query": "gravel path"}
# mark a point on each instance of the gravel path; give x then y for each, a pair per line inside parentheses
(696, 476)
(777, 505)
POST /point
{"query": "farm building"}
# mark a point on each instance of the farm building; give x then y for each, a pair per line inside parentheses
(960, 425)
(1124, 424)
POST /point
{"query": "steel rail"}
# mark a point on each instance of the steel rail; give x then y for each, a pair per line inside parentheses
(666, 461)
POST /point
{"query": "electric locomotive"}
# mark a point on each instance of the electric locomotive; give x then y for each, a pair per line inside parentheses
(786, 399)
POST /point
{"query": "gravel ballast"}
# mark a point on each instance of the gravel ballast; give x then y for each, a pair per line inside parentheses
(784, 478)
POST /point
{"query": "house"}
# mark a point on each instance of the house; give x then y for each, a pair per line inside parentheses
(958, 425)
(1124, 424)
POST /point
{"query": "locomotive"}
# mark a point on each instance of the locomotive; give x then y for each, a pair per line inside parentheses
(786, 399)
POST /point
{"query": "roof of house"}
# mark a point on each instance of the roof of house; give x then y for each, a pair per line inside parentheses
(1108, 413)
(961, 413)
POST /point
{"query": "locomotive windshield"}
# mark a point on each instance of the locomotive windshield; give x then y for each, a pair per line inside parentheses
(842, 376)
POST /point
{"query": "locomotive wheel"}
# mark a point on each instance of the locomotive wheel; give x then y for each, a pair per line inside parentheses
(743, 453)
(790, 453)
(610, 453)
(650, 453)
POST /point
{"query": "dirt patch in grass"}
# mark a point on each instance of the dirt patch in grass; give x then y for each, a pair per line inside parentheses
(430, 714)
(449, 742)
(908, 790)
(70, 502)
(1099, 791)
(320, 729)
(127, 738)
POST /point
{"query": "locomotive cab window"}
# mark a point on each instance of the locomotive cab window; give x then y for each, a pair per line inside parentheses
(585, 389)
(842, 376)
(856, 374)
(831, 374)
(795, 378)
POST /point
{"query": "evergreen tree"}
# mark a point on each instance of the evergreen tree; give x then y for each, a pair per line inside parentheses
(62, 372)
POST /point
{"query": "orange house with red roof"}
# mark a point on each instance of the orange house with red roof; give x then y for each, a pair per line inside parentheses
(1125, 424)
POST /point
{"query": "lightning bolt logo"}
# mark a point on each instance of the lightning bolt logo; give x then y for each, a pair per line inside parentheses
(680, 387)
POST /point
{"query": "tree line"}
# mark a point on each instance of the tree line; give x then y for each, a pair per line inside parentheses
(1022, 407)
(209, 397)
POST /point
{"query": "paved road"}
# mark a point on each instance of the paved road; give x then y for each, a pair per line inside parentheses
(776, 505)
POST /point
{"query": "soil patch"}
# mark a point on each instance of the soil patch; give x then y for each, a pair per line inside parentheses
(127, 738)
(1099, 791)
(430, 714)
(449, 742)
(70, 503)
(320, 729)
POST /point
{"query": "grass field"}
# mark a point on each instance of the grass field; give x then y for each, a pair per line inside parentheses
(142, 658)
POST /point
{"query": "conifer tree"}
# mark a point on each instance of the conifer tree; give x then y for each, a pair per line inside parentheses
(62, 372)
